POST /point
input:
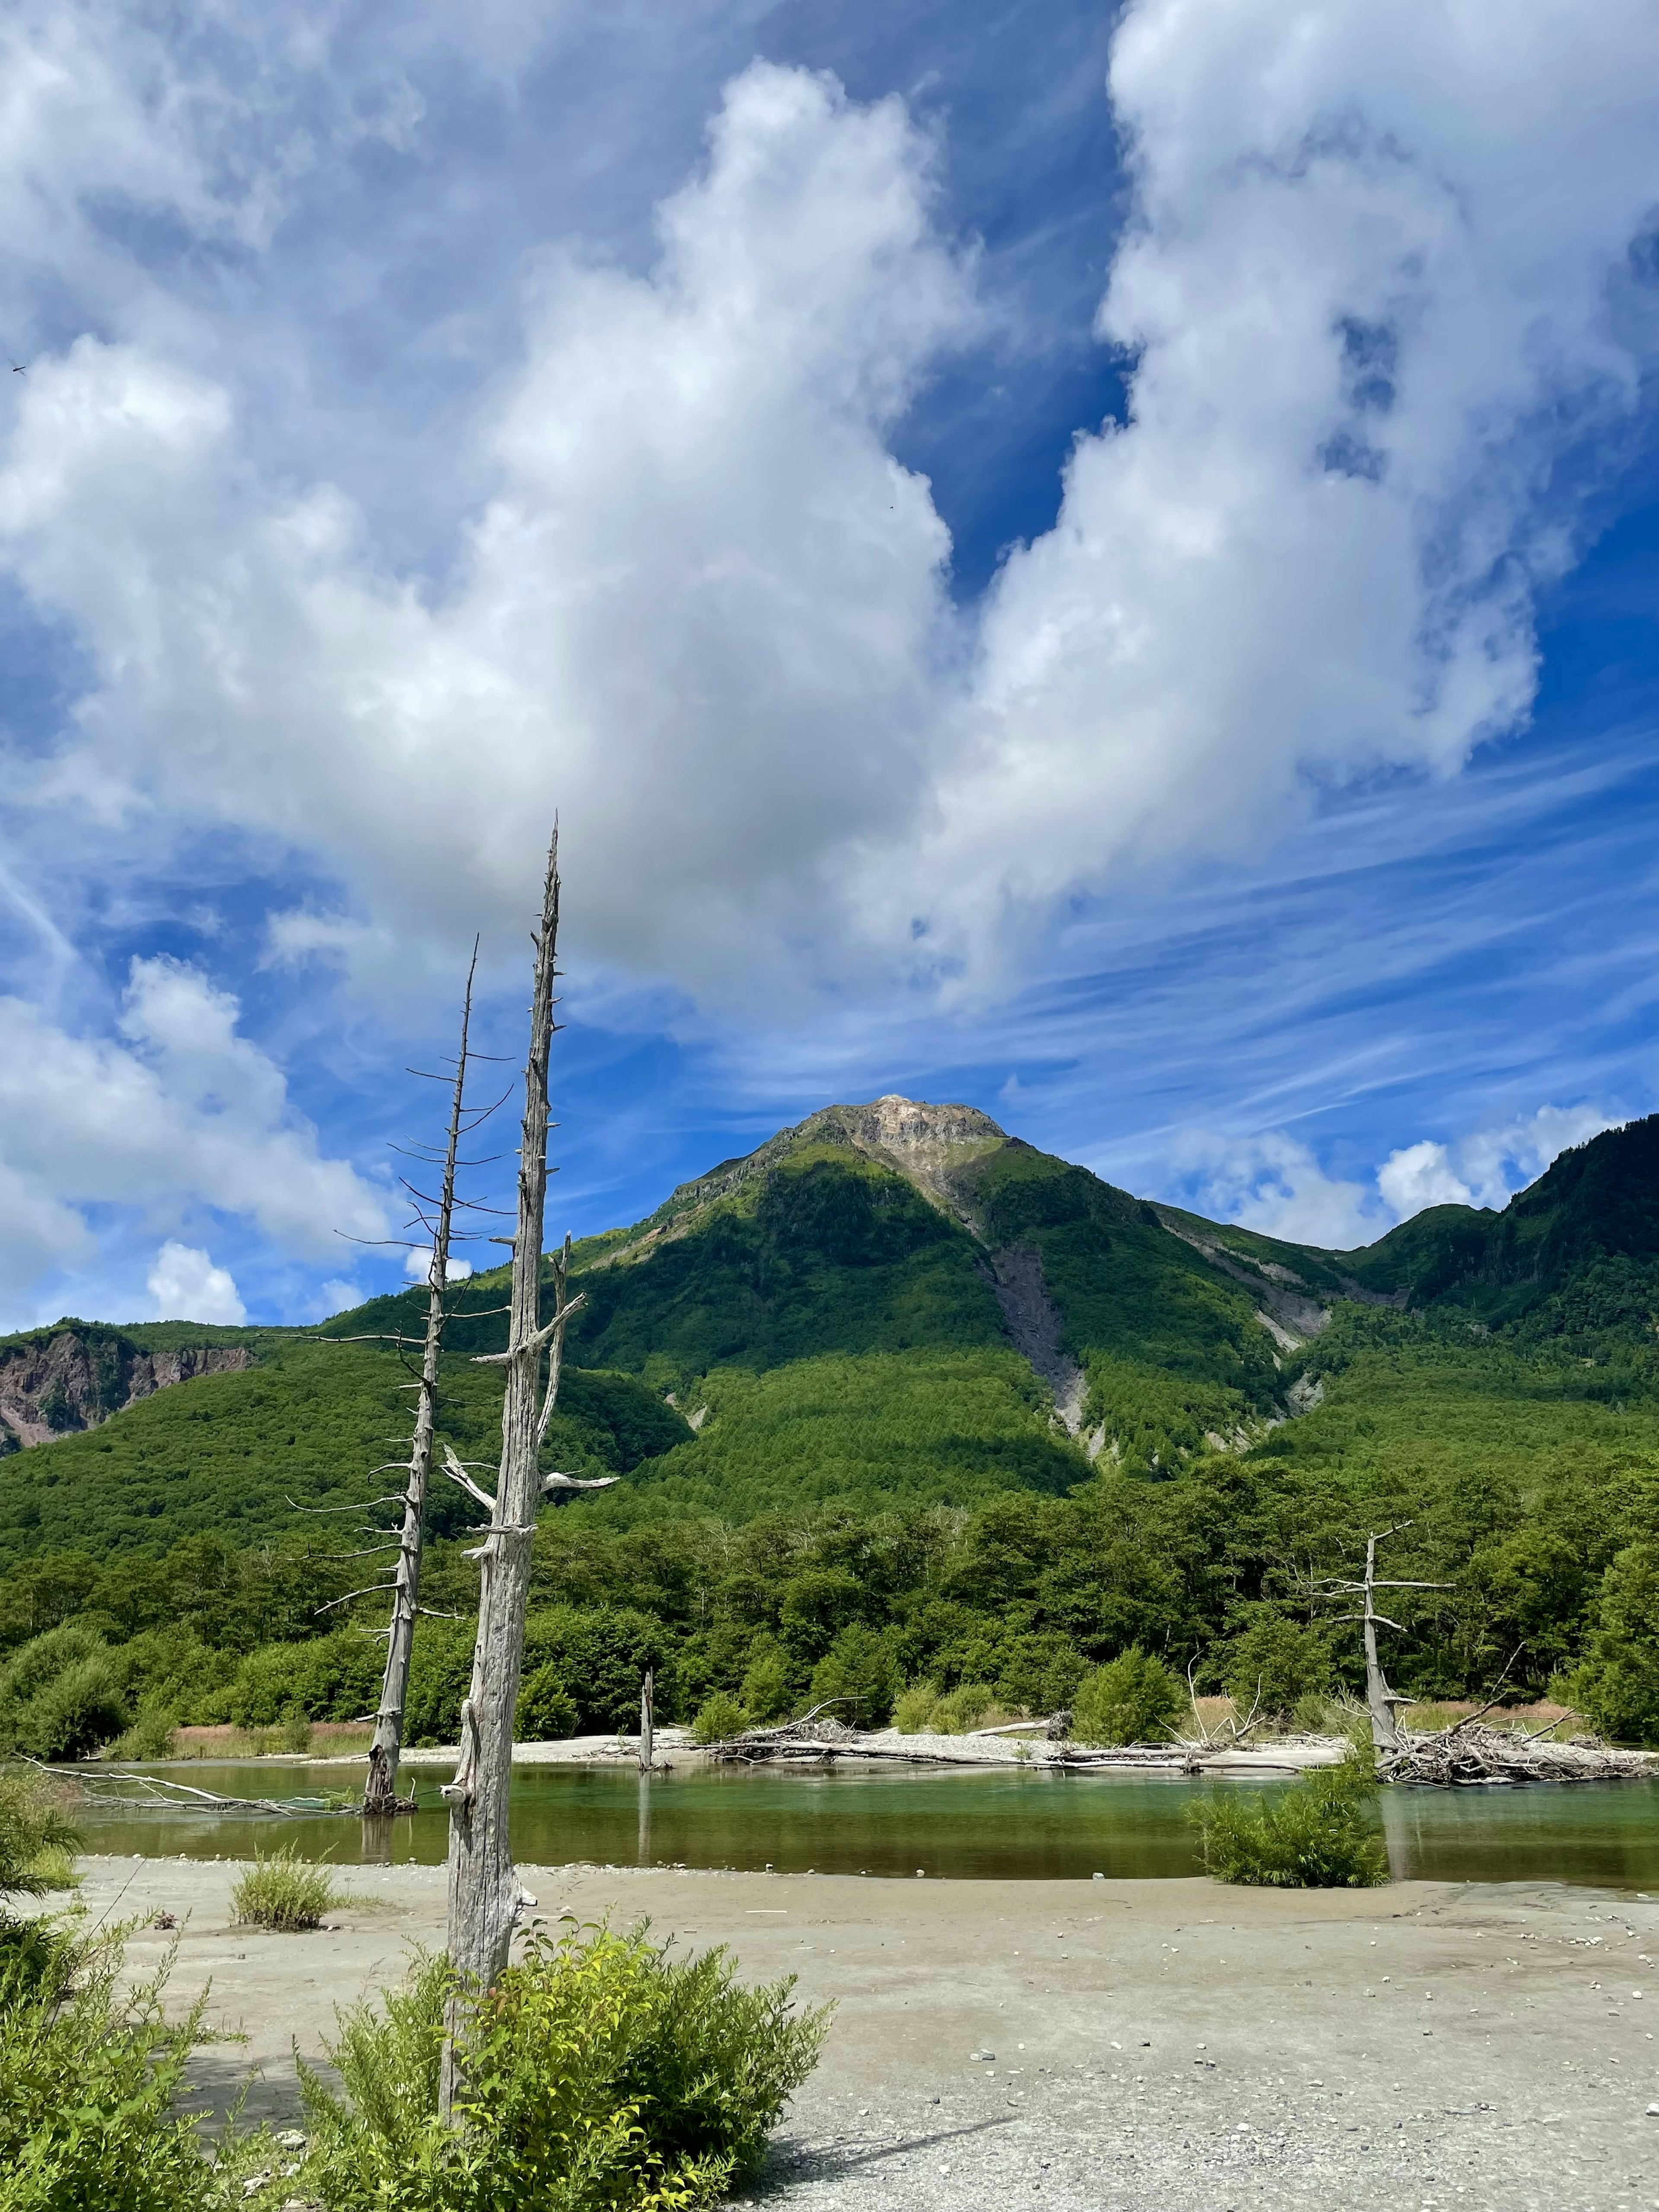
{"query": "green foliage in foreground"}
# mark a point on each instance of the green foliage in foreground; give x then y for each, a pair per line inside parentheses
(601, 2077)
(283, 1892)
(1321, 1833)
(1134, 1699)
(34, 1825)
(90, 2070)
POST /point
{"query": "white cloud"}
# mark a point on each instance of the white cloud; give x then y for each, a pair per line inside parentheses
(1488, 1167)
(1371, 290)
(1367, 287)
(1274, 1185)
(183, 1284)
(181, 1113)
(1420, 1176)
(418, 1266)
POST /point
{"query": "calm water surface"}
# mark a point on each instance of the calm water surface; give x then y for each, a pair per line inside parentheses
(1003, 1825)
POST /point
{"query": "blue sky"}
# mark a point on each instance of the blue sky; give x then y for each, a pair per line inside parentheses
(1098, 563)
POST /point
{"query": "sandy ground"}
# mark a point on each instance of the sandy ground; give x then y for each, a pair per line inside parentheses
(1167, 2044)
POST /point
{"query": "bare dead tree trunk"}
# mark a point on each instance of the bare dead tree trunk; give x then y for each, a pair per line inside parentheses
(380, 1791)
(1380, 1700)
(483, 1888)
(647, 1721)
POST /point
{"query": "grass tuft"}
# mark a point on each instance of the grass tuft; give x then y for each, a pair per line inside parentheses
(283, 1892)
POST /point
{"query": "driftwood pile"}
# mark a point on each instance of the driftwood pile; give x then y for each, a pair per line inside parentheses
(1469, 1754)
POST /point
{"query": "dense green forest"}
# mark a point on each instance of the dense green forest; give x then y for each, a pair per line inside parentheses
(843, 1472)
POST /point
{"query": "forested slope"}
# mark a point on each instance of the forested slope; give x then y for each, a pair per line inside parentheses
(1016, 1417)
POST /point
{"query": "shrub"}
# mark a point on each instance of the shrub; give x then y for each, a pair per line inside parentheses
(1617, 1688)
(1133, 1699)
(914, 1713)
(284, 1892)
(153, 1735)
(294, 1730)
(963, 1708)
(34, 1830)
(1321, 1834)
(47, 1659)
(75, 1715)
(1273, 1664)
(720, 1717)
(546, 1712)
(601, 2077)
(89, 2070)
(859, 1672)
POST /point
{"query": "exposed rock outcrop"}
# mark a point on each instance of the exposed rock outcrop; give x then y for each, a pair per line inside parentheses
(71, 1379)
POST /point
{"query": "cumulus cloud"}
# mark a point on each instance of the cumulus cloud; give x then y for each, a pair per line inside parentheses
(179, 1112)
(1486, 1168)
(183, 1284)
(418, 1266)
(1368, 288)
(704, 613)
(1275, 1183)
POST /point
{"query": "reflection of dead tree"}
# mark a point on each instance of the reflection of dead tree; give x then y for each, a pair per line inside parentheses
(483, 1887)
(1380, 1699)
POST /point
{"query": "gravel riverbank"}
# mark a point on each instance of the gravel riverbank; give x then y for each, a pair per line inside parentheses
(1156, 2046)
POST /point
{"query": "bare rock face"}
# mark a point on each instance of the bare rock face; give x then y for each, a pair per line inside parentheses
(925, 1144)
(55, 1385)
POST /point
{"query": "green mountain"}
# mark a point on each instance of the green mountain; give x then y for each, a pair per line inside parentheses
(892, 1301)
(899, 1377)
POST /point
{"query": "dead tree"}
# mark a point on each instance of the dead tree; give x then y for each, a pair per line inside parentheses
(647, 1721)
(483, 1886)
(380, 1791)
(1381, 1701)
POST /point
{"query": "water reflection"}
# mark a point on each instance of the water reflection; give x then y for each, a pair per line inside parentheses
(1007, 1825)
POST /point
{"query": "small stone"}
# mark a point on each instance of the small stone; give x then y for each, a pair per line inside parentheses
(1653, 2111)
(987, 2056)
(292, 2139)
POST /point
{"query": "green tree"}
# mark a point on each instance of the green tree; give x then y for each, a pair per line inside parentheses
(1134, 1699)
(1617, 1688)
(1273, 1661)
(860, 1672)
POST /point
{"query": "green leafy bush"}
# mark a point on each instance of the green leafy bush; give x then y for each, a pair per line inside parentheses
(914, 1713)
(89, 2072)
(1273, 1664)
(720, 1717)
(1617, 1688)
(34, 1827)
(1322, 1834)
(546, 1711)
(1134, 1699)
(153, 1735)
(284, 1892)
(601, 2077)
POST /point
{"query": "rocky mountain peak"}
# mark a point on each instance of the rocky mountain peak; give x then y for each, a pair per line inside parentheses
(925, 1143)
